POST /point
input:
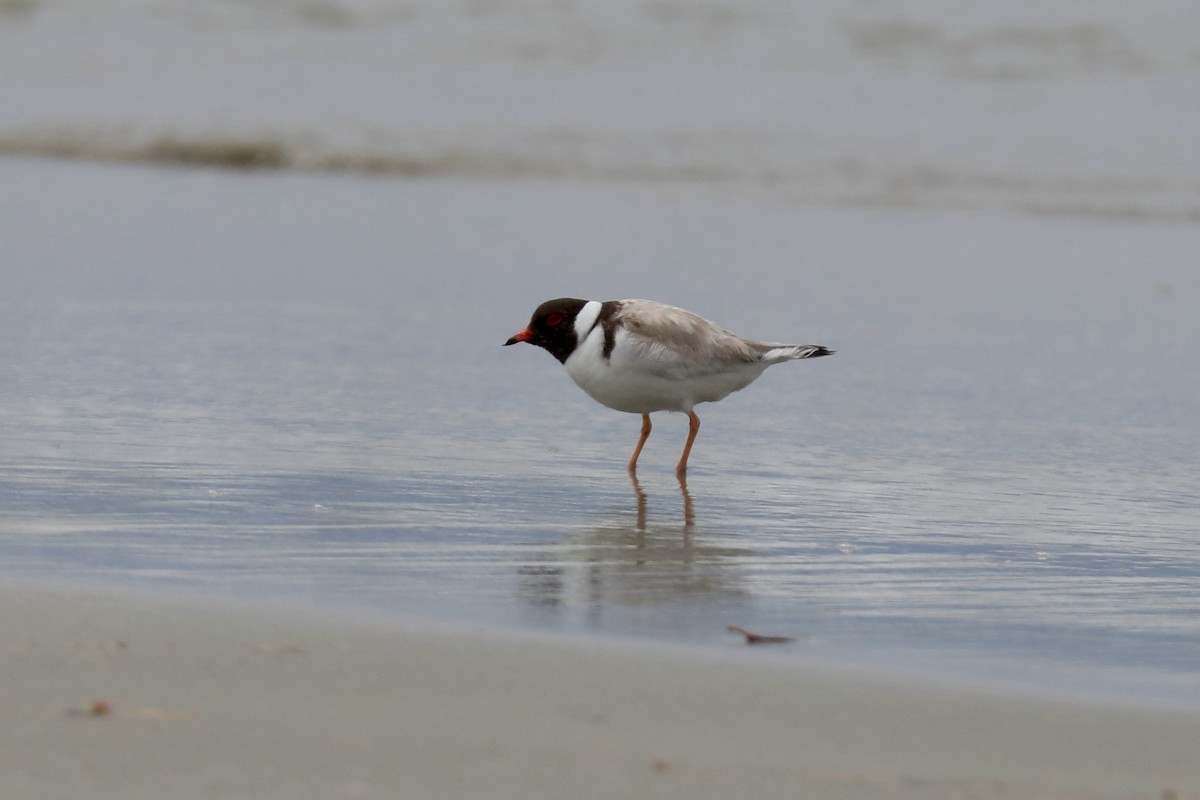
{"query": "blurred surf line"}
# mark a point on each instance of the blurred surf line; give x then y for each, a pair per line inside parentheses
(684, 158)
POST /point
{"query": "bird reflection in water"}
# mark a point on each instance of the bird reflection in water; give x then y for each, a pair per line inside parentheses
(689, 515)
(618, 562)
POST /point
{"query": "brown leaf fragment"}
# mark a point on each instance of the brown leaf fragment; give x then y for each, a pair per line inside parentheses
(98, 708)
(755, 638)
(101, 708)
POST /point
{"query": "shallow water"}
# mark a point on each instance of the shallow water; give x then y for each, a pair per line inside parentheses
(289, 386)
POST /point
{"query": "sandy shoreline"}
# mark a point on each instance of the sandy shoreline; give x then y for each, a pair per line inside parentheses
(207, 699)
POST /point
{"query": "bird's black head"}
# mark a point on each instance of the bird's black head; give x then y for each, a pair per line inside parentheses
(552, 327)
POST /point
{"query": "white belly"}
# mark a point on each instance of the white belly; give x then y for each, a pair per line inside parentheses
(633, 385)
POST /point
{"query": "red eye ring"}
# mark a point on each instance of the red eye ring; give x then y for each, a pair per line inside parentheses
(554, 320)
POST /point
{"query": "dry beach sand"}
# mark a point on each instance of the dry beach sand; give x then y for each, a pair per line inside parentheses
(112, 695)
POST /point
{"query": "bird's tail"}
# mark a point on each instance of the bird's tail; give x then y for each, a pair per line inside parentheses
(790, 352)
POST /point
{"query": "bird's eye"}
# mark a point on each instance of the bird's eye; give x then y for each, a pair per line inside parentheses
(554, 320)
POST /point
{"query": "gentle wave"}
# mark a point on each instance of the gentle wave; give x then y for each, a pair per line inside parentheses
(751, 162)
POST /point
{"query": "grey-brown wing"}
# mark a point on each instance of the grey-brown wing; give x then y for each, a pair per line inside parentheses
(675, 341)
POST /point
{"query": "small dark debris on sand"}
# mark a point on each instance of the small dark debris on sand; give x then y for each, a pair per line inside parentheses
(755, 638)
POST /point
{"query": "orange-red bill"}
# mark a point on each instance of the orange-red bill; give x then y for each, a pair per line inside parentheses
(521, 336)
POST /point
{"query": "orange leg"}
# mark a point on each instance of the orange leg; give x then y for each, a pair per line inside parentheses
(693, 429)
(637, 451)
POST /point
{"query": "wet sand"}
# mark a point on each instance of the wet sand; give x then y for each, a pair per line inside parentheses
(121, 695)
